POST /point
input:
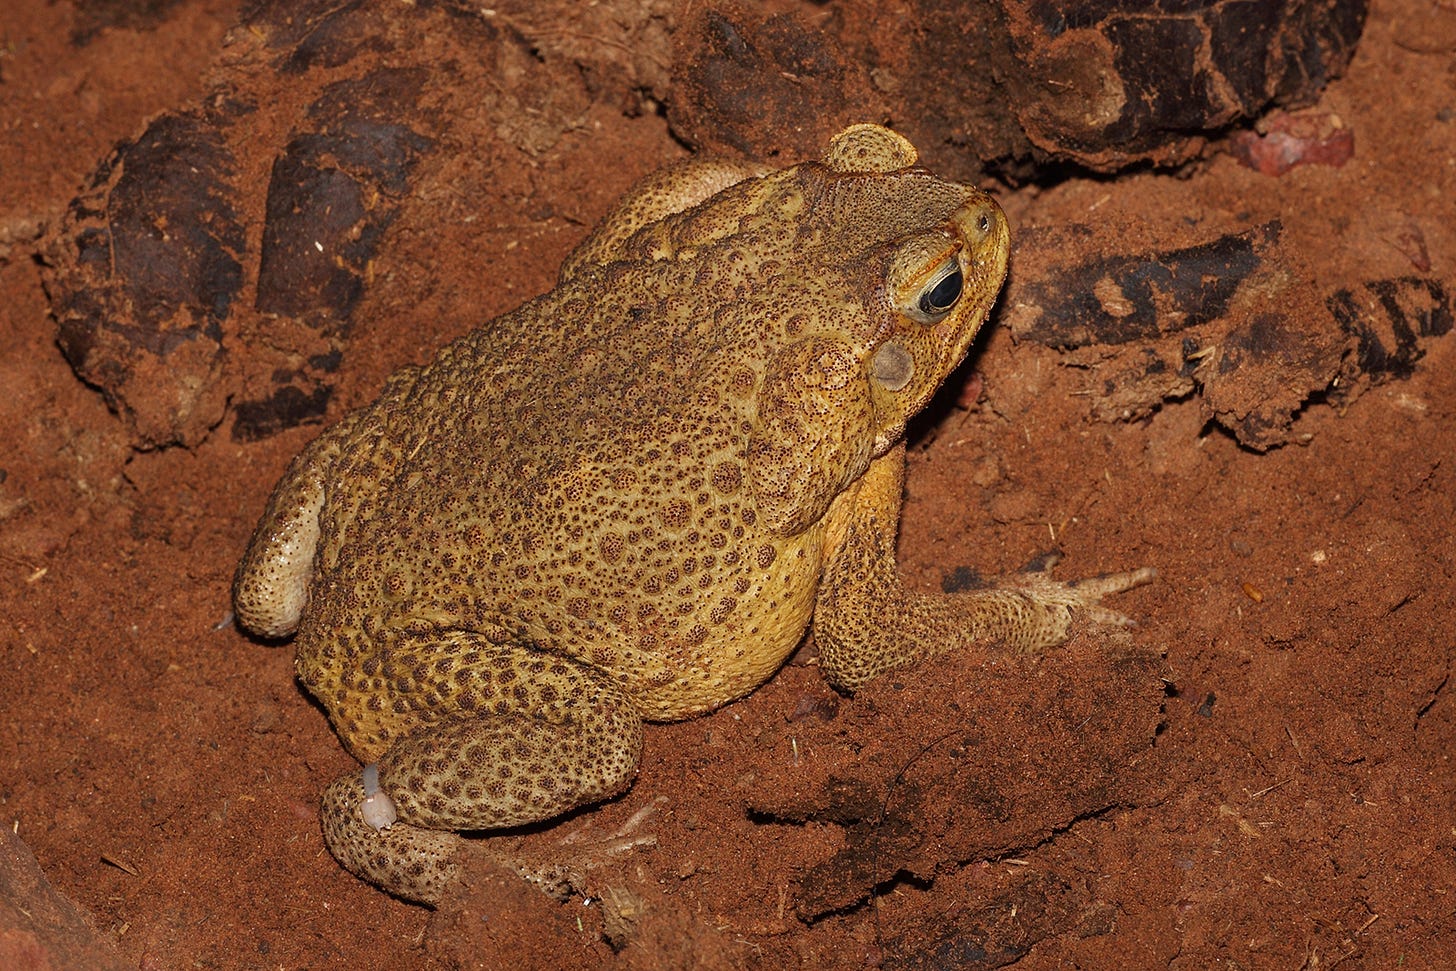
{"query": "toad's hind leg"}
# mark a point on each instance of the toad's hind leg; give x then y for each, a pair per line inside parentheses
(551, 735)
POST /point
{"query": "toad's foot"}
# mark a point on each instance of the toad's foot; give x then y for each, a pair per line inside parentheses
(1065, 602)
(562, 870)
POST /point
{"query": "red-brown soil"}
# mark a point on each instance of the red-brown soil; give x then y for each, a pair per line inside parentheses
(1258, 776)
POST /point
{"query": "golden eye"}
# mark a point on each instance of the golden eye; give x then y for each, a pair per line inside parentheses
(941, 293)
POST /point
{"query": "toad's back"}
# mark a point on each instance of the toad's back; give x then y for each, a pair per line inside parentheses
(586, 495)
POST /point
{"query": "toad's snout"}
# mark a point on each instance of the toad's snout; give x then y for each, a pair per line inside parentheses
(982, 225)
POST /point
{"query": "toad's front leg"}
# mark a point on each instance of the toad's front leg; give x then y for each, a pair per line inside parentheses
(866, 622)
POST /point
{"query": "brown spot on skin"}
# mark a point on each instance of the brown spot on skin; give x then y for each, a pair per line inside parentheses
(727, 477)
(720, 612)
(677, 514)
(764, 556)
(743, 382)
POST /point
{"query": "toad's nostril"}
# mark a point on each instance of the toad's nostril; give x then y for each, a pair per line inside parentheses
(980, 218)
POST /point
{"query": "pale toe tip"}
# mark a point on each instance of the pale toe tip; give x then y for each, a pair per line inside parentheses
(377, 809)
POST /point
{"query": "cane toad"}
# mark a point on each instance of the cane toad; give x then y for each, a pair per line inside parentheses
(628, 499)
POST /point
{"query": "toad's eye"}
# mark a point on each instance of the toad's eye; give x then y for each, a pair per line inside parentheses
(941, 293)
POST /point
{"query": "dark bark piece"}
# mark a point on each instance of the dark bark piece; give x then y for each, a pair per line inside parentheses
(1390, 341)
(1024, 86)
(1119, 299)
(147, 274)
(1232, 319)
(177, 250)
(334, 192)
